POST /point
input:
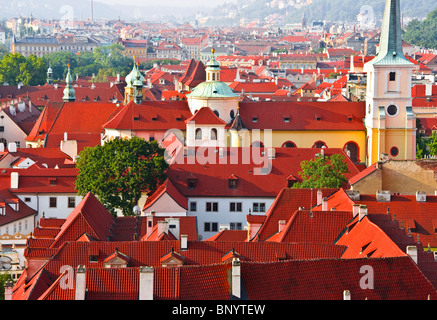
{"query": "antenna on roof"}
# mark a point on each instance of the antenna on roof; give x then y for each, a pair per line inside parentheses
(311, 206)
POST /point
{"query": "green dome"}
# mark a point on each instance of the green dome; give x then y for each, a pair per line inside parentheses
(212, 89)
(133, 76)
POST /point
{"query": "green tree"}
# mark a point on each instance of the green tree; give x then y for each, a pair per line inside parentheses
(4, 277)
(10, 68)
(33, 71)
(422, 33)
(120, 170)
(323, 172)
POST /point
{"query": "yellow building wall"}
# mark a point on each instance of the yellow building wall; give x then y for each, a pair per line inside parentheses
(307, 139)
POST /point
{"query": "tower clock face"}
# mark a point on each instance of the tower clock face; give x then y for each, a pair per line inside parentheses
(392, 110)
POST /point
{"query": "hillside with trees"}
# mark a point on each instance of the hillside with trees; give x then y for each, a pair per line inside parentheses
(423, 33)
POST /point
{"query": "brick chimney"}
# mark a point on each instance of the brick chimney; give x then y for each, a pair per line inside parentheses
(80, 283)
(8, 290)
(146, 283)
(236, 278)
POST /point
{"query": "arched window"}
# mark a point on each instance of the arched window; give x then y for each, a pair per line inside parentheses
(288, 144)
(198, 134)
(352, 150)
(232, 114)
(257, 144)
(217, 113)
(214, 134)
(319, 144)
(392, 76)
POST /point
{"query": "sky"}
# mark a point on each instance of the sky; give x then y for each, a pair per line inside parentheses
(178, 3)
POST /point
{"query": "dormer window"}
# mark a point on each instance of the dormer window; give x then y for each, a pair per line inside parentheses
(318, 117)
(191, 182)
(232, 182)
(52, 181)
(116, 260)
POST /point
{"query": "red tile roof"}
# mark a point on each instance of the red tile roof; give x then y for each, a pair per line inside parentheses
(395, 279)
(169, 188)
(88, 216)
(205, 116)
(150, 115)
(212, 176)
(285, 205)
(305, 227)
(302, 115)
(37, 180)
(9, 214)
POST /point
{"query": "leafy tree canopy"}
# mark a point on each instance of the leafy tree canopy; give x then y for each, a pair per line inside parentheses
(323, 172)
(422, 33)
(119, 171)
(15, 68)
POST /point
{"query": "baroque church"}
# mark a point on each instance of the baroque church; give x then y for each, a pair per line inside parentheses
(214, 116)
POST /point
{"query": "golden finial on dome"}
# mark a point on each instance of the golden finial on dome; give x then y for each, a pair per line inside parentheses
(212, 50)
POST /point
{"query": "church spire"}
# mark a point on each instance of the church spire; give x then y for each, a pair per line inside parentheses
(50, 74)
(390, 44)
(69, 95)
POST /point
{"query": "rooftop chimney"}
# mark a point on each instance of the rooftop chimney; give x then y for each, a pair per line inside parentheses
(236, 278)
(14, 180)
(162, 227)
(80, 283)
(354, 195)
(319, 197)
(362, 212)
(150, 223)
(420, 196)
(146, 283)
(412, 252)
(184, 242)
(383, 196)
(282, 224)
(355, 210)
(346, 295)
(325, 204)
(8, 290)
(12, 147)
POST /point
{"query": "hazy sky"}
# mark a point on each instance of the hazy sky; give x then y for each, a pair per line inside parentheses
(178, 3)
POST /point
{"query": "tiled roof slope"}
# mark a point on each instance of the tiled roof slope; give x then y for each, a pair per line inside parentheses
(417, 218)
(89, 216)
(286, 203)
(333, 115)
(150, 115)
(394, 279)
(246, 164)
(314, 227)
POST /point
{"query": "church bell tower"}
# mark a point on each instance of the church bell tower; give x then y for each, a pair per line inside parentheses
(390, 121)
